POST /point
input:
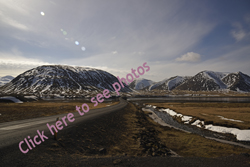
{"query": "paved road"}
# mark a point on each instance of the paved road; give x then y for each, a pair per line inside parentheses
(15, 131)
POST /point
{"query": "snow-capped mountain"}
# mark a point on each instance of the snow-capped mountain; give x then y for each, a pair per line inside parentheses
(4, 80)
(205, 80)
(210, 80)
(140, 83)
(237, 81)
(169, 84)
(61, 79)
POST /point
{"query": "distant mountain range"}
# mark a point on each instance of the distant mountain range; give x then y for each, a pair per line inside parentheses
(82, 81)
(169, 84)
(203, 81)
(4, 80)
(62, 80)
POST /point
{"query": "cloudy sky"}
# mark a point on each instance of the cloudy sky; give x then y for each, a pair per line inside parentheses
(174, 37)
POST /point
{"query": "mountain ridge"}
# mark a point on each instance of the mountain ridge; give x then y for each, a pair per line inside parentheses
(61, 79)
(205, 81)
(69, 80)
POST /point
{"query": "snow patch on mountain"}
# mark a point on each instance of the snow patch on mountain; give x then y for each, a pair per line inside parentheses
(170, 83)
(140, 83)
(153, 86)
(216, 77)
(6, 79)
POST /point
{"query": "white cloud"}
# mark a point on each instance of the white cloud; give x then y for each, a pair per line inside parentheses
(17, 6)
(189, 57)
(11, 22)
(21, 62)
(13, 63)
(238, 32)
(114, 52)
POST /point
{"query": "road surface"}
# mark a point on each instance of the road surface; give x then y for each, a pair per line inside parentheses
(15, 131)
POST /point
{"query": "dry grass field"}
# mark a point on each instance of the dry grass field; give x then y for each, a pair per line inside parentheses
(210, 93)
(209, 112)
(123, 132)
(184, 144)
(192, 145)
(156, 92)
(20, 111)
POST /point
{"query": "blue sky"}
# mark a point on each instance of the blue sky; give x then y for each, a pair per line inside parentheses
(174, 37)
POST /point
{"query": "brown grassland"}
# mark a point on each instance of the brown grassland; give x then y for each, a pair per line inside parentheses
(193, 145)
(209, 112)
(119, 133)
(156, 92)
(20, 111)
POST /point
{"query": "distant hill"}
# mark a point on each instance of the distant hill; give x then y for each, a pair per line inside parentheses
(4, 80)
(139, 84)
(205, 81)
(237, 81)
(61, 79)
(169, 84)
(210, 80)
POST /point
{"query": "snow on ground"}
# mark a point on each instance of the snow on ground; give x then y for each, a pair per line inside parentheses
(198, 123)
(31, 97)
(58, 96)
(241, 135)
(223, 118)
(15, 100)
(184, 118)
(155, 117)
(151, 106)
(170, 112)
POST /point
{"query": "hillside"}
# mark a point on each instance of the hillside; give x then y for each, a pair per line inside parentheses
(169, 84)
(210, 80)
(139, 84)
(61, 79)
